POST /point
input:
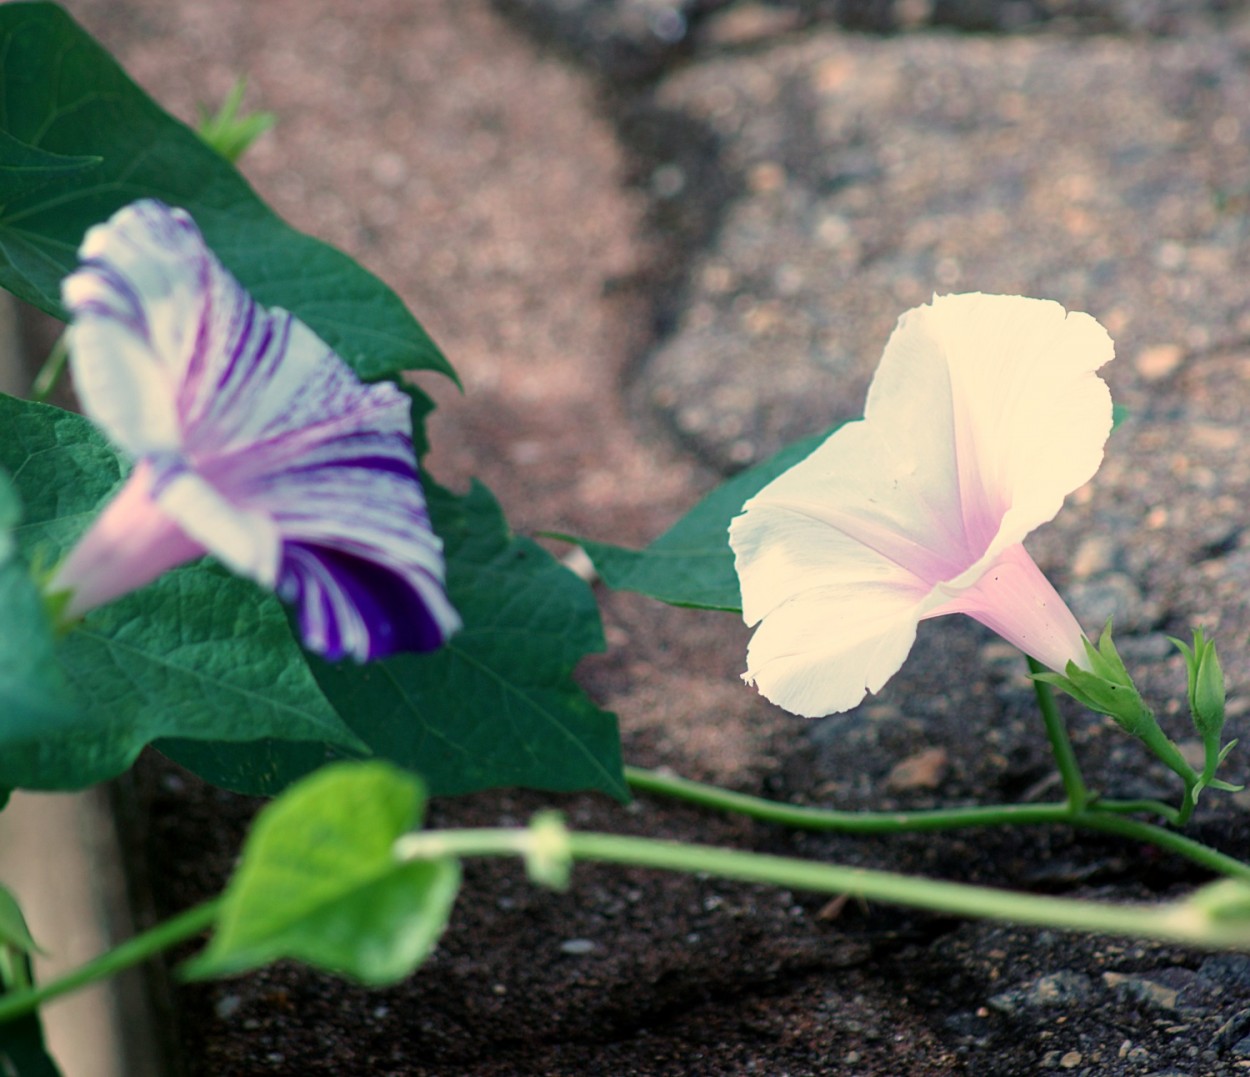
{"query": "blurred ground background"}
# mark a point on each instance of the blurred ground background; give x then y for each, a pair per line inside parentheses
(658, 239)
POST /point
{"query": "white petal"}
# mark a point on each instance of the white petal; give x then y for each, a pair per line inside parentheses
(1029, 414)
(136, 304)
(865, 506)
(821, 653)
(245, 540)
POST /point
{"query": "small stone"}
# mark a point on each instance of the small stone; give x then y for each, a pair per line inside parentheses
(1070, 1060)
(749, 24)
(1233, 1032)
(227, 1005)
(1094, 555)
(766, 177)
(577, 947)
(1227, 970)
(1158, 362)
(1061, 988)
(389, 169)
(924, 770)
(1142, 989)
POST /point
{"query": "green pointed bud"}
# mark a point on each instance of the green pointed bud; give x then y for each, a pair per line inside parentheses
(1105, 686)
(230, 132)
(1206, 685)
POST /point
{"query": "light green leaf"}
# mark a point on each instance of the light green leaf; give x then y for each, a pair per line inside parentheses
(199, 654)
(230, 132)
(319, 881)
(64, 97)
(497, 705)
(14, 934)
(691, 564)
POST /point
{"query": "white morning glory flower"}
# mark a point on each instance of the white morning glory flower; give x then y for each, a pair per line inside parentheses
(253, 441)
(984, 414)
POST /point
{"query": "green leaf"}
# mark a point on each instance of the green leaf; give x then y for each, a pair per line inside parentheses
(10, 514)
(691, 564)
(24, 168)
(497, 705)
(261, 768)
(63, 96)
(33, 693)
(319, 881)
(14, 934)
(199, 654)
(22, 1050)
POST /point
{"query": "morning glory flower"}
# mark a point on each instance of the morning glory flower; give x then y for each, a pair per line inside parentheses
(985, 413)
(253, 442)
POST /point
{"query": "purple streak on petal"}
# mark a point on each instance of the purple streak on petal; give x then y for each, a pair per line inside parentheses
(351, 605)
(117, 291)
(395, 465)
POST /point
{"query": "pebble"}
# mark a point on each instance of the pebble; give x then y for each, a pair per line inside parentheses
(577, 947)
(924, 770)
(1063, 988)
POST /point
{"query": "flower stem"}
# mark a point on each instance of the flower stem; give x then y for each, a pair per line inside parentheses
(131, 952)
(1061, 745)
(51, 371)
(1174, 922)
(1103, 815)
(848, 822)
(1100, 819)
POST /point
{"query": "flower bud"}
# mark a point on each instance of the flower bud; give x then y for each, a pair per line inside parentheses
(1206, 685)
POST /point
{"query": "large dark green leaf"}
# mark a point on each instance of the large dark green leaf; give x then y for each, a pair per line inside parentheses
(198, 654)
(33, 693)
(497, 705)
(65, 102)
(24, 169)
(691, 564)
(319, 881)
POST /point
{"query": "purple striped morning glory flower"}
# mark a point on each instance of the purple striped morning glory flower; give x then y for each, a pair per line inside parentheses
(253, 441)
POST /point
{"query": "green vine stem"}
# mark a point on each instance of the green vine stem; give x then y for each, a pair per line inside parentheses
(1060, 743)
(185, 925)
(1185, 922)
(50, 373)
(1107, 816)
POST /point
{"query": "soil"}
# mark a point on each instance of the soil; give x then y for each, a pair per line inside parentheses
(511, 200)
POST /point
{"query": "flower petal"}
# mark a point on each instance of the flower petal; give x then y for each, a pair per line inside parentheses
(138, 303)
(863, 508)
(820, 653)
(377, 582)
(1024, 409)
(247, 541)
(1007, 592)
(128, 545)
(354, 606)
